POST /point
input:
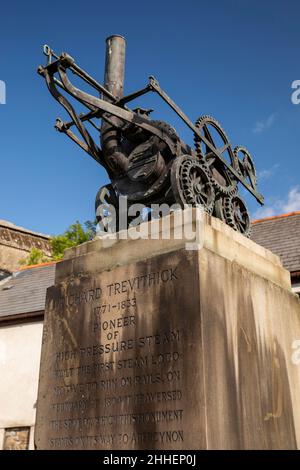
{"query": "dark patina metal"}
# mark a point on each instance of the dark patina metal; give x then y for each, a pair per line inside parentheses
(145, 159)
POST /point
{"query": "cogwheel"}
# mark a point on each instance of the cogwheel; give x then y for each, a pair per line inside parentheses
(197, 141)
(165, 127)
(235, 214)
(191, 183)
(223, 181)
(246, 165)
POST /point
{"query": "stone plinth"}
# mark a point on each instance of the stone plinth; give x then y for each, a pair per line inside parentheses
(148, 345)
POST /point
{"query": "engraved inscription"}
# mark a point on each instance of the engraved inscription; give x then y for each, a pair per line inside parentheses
(117, 375)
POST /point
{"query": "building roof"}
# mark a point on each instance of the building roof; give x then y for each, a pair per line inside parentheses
(10, 225)
(4, 273)
(25, 290)
(280, 234)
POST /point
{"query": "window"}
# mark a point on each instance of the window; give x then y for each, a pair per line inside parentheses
(296, 287)
(16, 438)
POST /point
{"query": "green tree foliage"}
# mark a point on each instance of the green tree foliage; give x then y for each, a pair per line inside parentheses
(73, 236)
(35, 256)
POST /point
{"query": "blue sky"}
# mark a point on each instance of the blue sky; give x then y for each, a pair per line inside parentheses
(232, 59)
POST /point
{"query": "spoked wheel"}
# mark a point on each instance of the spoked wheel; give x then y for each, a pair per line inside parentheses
(233, 211)
(191, 183)
(246, 165)
(223, 181)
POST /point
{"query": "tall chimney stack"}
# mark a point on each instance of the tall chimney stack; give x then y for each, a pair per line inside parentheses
(115, 65)
(116, 161)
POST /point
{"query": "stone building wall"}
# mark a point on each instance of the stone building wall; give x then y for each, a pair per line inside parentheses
(20, 349)
(16, 243)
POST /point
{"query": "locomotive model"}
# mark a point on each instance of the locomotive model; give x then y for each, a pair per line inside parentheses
(145, 159)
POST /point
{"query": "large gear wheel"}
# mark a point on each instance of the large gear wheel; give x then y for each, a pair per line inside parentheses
(233, 211)
(246, 165)
(223, 181)
(165, 127)
(191, 183)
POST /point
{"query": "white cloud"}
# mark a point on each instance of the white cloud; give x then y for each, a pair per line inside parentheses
(261, 126)
(266, 174)
(293, 202)
(263, 212)
(279, 206)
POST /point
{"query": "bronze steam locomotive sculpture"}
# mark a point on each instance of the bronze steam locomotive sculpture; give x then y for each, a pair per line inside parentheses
(145, 159)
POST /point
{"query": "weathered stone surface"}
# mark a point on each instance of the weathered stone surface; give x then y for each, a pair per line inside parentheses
(17, 242)
(16, 439)
(252, 383)
(121, 360)
(175, 350)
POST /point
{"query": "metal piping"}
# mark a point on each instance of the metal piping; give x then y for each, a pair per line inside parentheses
(116, 160)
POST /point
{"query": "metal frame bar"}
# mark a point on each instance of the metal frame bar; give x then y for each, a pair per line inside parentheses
(99, 107)
(155, 87)
(94, 150)
(69, 61)
(106, 106)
